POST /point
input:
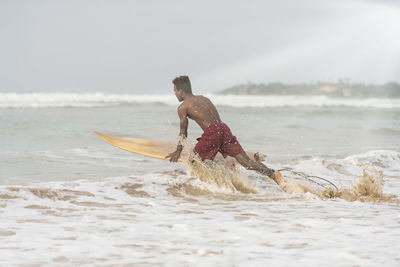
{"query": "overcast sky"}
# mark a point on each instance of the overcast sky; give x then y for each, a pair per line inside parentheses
(140, 46)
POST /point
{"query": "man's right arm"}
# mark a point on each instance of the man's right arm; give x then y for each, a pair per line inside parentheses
(184, 122)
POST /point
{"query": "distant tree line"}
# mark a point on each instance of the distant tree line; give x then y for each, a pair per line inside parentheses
(336, 89)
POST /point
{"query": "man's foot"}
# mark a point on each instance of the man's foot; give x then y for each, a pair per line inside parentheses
(278, 178)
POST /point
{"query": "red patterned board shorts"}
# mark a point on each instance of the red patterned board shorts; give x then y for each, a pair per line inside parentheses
(217, 137)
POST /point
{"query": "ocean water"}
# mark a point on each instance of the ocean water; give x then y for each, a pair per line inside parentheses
(67, 198)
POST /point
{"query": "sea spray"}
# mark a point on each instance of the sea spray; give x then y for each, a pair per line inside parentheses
(221, 173)
(368, 188)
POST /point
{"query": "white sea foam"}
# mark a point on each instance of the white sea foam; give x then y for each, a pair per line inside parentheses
(54, 100)
(170, 219)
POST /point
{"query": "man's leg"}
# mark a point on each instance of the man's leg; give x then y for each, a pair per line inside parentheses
(249, 164)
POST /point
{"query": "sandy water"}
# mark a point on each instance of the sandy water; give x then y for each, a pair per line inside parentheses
(67, 198)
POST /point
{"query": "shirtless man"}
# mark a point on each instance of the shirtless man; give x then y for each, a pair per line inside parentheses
(217, 136)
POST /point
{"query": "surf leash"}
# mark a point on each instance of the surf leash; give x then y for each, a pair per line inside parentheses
(309, 177)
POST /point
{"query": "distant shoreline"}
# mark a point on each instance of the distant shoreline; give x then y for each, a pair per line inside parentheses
(336, 89)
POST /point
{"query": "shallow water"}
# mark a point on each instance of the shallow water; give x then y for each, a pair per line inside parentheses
(67, 198)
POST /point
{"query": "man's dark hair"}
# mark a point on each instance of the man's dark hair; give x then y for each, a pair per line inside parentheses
(183, 83)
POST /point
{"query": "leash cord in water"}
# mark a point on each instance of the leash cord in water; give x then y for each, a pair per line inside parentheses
(308, 177)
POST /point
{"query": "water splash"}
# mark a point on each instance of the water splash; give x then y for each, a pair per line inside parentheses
(367, 187)
(221, 173)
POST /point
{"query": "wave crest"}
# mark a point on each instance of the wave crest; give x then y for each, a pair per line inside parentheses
(59, 100)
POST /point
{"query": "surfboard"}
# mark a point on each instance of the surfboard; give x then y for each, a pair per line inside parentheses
(152, 148)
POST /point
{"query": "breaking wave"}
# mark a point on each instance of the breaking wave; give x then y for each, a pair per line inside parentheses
(59, 100)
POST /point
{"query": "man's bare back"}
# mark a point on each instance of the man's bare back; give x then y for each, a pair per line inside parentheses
(201, 110)
(217, 136)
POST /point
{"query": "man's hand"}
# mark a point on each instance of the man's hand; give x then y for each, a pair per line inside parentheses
(174, 156)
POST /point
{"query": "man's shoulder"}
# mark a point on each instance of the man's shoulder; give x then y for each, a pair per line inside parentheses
(184, 105)
(203, 98)
(181, 105)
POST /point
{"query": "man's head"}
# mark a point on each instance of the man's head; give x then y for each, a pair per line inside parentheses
(182, 87)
